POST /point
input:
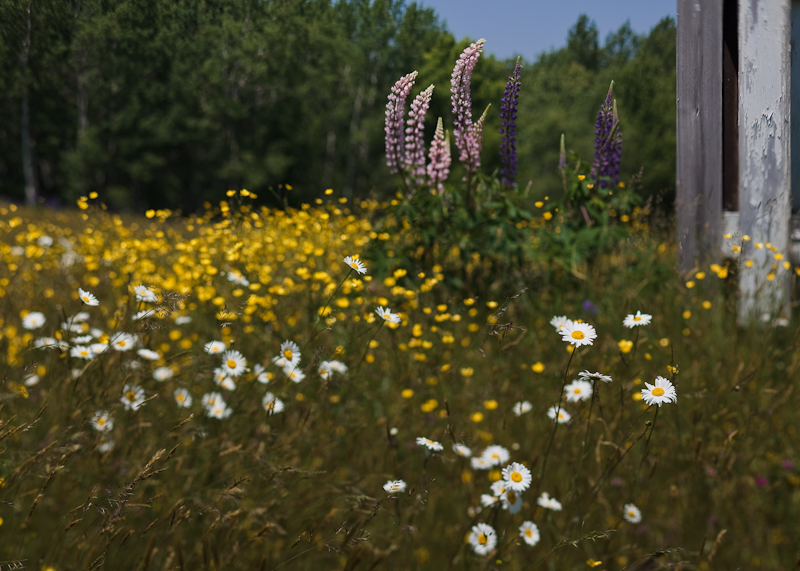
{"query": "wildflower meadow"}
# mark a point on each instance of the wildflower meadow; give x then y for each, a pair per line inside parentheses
(465, 375)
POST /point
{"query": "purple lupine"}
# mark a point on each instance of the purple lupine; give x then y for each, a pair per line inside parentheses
(395, 117)
(415, 131)
(562, 157)
(439, 155)
(508, 127)
(607, 143)
(469, 147)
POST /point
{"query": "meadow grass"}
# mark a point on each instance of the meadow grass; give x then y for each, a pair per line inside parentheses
(296, 481)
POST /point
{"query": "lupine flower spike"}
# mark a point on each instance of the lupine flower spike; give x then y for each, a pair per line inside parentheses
(607, 143)
(508, 126)
(395, 119)
(468, 144)
(415, 131)
(439, 155)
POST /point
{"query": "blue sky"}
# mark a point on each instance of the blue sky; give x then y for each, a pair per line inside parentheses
(529, 27)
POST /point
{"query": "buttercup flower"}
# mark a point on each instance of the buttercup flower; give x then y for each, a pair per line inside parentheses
(34, 320)
(517, 477)
(429, 444)
(578, 390)
(482, 538)
(563, 415)
(394, 487)
(529, 533)
(632, 513)
(387, 315)
(639, 319)
(659, 393)
(578, 334)
(356, 264)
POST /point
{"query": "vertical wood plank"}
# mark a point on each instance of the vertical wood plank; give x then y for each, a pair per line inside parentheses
(764, 155)
(699, 130)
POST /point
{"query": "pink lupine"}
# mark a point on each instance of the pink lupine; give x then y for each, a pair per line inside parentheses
(439, 155)
(467, 140)
(395, 116)
(415, 131)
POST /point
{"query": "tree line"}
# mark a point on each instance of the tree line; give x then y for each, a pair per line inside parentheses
(169, 104)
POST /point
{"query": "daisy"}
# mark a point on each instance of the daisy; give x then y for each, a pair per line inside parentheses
(143, 314)
(639, 319)
(233, 363)
(87, 298)
(517, 477)
(387, 315)
(182, 320)
(124, 341)
(46, 343)
(72, 327)
(563, 415)
(578, 390)
(290, 351)
(632, 513)
(338, 366)
(496, 455)
(98, 348)
(81, 352)
(44, 241)
(145, 294)
(578, 334)
(132, 397)
(79, 317)
(237, 278)
(228, 384)
(96, 333)
(31, 380)
(356, 264)
(511, 501)
(34, 320)
(148, 354)
(587, 376)
(262, 376)
(214, 347)
(219, 411)
(529, 533)
(162, 374)
(488, 500)
(462, 450)
(560, 321)
(659, 393)
(106, 444)
(480, 463)
(429, 444)
(394, 487)
(183, 398)
(82, 339)
(102, 421)
(212, 399)
(220, 375)
(294, 374)
(482, 538)
(549, 503)
(522, 407)
(271, 403)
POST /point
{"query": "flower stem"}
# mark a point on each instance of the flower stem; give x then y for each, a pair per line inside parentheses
(327, 303)
(555, 420)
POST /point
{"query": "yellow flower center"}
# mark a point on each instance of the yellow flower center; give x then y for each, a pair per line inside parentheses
(270, 405)
(288, 354)
(181, 398)
(85, 298)
(637, 318)
(578, 335)
(516, 477)
(121, 343)
(631, 513)
(231, 364)
(658, 392)
(101, 421)
(528, 532)
(512, 498)
(354, 265)
(130, 395)
(576, 391)
(482, 539)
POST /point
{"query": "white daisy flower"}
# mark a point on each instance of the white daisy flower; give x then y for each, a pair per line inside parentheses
(124, 341)
(521, 408)
(659, 393)
(102, 421)
(132, 396)
(529, 533)
(233, 363)
(44, 241)
(214, 347)
(47, 343)
(263, 377)
(106, 444)
(578, 334)
(578, 390)
(512, 501)
(237, 278)
(462, 450)
(290, 351)
(79, 317)
(31, 380)
(143, 293)
(148, 354)
(183, 398)
(337, 366)
(96, 333)
(82, 339)
(81, 352)
(356, 264)
(132, 365)
(271, 403)
(480, 463)
(212, 399)
(549, 503)
(517, 477)
(429, 444)
(75, 373)
(587, 376)
(34, 320)
(482, 538)
(632, 513)
(387, 315)
(496, 454)
(98, 348)
(228, 384)
(640, 318)
(219, 411)
(294, 374)
(144, 314)
(162, 374)
(182, 320)
(560, 321)
(563, 415)
(499, 488)
(220, 375)
(394, 487)
(488, 500)
(87, 298)
(72, 327)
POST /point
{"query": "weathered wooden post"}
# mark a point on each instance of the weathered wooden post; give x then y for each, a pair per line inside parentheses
(734, 118)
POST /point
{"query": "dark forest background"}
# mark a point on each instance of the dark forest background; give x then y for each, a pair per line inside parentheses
(168, 103)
